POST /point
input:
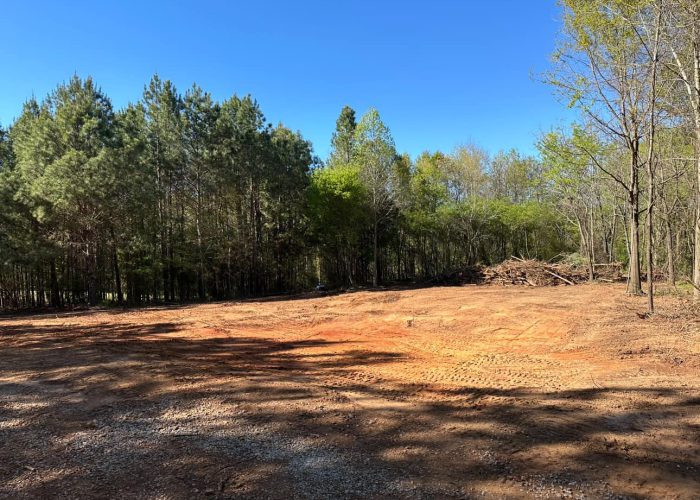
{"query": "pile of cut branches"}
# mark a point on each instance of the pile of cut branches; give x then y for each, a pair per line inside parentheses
(518, 271)
(610, 272)
(529, 272)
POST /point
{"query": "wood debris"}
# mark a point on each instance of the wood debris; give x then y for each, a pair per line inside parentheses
(529, 272)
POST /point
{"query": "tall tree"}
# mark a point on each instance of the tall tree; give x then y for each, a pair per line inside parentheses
(199, 128)
(603, 68)
(163, 108)
(178, 197)
(339, 216)
(343, 140)
(134, 234)
(572, 177)
(681, 35)
(375, 154)
(65, 158)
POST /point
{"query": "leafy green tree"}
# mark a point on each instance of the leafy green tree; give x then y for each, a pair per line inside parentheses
(179, 197)
(604, 67)
(339, 216)
(466, 172)
(135, 238)
(375, 155)
(573, 179)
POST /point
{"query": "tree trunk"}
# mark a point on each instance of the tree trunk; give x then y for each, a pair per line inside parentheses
(696, 253)
(375, 255)
(613, 233)
(694, 95)
(671, 266)
(585, 247)
(200, 247)
(117, 277)
(92, 275)
(55, 293)
(650, 173)
(634, 282)
(650, 240)
(200, 252)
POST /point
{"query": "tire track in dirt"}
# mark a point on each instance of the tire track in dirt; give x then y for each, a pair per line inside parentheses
(515, 389)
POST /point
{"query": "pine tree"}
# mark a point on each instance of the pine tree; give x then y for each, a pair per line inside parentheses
(343, 140)
(163, 107)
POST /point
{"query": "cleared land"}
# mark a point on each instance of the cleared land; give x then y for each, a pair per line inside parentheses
(441, 392)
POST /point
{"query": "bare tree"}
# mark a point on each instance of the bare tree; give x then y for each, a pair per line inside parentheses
(681, 36)
(602, 67)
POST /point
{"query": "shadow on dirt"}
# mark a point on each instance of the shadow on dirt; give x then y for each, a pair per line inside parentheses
(124, 410)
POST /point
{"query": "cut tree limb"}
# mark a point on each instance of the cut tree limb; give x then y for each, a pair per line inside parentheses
(557, 276)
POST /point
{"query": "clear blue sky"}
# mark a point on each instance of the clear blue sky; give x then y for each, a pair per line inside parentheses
(440, 72)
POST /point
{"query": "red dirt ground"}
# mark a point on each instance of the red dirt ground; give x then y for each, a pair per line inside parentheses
(476, 391)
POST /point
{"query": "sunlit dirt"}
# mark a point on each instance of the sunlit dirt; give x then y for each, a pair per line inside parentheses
(415, 393)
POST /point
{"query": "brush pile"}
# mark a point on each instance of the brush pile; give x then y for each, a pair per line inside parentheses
(533, 273)
(610, 272)
(527, 272)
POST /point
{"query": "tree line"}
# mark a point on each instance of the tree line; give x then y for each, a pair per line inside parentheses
(179, 197)
(628, 171)
(176, 197)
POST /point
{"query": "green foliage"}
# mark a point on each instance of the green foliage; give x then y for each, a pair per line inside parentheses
(179, 197)
(6, 153)
(375, 155)
(343, 141)
(338, 204)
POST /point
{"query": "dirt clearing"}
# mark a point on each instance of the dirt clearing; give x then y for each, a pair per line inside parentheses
(442, 392)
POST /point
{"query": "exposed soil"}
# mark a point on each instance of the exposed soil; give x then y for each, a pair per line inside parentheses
(443, 392)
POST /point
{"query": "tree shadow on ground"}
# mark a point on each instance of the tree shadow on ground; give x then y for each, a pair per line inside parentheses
(123, 410)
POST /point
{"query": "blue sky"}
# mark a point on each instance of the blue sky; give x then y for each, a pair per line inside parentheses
(441, 72)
